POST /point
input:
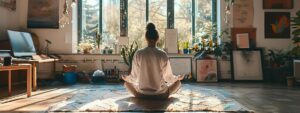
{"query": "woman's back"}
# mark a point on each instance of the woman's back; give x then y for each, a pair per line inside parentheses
(152, 62)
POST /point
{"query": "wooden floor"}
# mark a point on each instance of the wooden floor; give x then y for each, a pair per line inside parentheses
(38, 102)
(255, 96)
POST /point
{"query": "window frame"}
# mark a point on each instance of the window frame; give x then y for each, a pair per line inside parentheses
(124, 10)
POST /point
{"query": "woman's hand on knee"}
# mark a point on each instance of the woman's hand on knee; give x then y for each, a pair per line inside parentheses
(180, 77)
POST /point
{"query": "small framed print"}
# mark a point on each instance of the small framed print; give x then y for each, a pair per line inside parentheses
(207, 70)
(242, 40)
(277, 25)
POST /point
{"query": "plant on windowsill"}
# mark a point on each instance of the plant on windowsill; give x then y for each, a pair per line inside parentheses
(98, 39)
(86, 46)
(210, 46)
(127, 53)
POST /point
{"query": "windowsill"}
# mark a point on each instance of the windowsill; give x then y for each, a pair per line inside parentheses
(170, 54)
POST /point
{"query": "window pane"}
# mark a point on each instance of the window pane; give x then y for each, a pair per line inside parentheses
(110, 23)
(183, 19)
(90, 19)
(203, 17)
(158, 16)
(137, 21)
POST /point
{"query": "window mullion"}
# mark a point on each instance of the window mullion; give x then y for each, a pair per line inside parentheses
(100, 17)
(79, 21)
(147, 10)
(193, 20)
(170, 14)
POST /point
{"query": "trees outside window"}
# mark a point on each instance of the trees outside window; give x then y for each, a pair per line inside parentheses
(110, 23)
(192, 18)
(183, 19)
(137, 21)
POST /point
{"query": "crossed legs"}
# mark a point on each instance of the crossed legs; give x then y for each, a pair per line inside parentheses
(172, 89)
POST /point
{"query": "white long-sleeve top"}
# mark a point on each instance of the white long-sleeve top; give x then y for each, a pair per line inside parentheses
(151, 71)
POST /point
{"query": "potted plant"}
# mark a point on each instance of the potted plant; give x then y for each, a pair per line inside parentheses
(127, 53)
(86, 46)
(276, 58)
(98, 39)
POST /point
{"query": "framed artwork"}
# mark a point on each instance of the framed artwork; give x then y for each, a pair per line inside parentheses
(278, 4)
(9, 4)
(247, 64)
(207, 70)
(181, 65)
(243, 38)
(224, 69)
(277, 25)
(243, 13)
(43, 14)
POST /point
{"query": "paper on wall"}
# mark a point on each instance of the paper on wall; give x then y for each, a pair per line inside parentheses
(171, 41)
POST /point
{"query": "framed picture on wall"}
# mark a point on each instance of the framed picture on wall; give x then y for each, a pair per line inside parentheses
(43, 14)
(243, 38)
(247, 64)
(278, 4)
(277, 25)
(206, 70)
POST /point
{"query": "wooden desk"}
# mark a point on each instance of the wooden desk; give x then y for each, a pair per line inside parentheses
(26, 67)
(34, 67)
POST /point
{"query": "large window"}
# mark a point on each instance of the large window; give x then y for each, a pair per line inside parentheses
(110, 23)
(204, 18)
(183, 20)
(158, 16)
(192, 19)
(137, 21)
(89, 19)
(102, 16)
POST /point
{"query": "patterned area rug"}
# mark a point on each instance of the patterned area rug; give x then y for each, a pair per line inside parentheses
(114, 98)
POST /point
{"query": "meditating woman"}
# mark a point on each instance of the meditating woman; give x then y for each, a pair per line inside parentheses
(151, 75)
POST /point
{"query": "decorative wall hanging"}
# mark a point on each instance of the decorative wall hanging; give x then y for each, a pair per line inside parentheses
(243, 13)
(278, 4)
(43, 14)
(9, 4)
(277, 25)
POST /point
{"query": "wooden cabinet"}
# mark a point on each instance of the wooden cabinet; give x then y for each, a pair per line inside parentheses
(46, 70)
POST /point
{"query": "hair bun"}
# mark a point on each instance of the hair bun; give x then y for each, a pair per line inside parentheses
(151, 27)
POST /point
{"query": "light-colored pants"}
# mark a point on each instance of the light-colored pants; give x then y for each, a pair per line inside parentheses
(171, 90)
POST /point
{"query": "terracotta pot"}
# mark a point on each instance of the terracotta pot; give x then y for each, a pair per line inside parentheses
(298, 43)
(290, 81)
(86, 51)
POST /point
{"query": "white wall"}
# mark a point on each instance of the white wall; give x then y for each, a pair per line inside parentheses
(8, 20)
(17, 20)
(259, 25)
